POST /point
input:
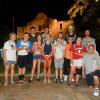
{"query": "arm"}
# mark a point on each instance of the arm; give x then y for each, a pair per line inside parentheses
(52, 50)
(18, 46)
(5, 59)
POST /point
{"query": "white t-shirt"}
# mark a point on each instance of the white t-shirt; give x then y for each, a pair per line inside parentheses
(23, 52)
(59, 52)
(10, 47)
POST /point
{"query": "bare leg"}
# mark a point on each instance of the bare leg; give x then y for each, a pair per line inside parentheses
(71, 73)
(96, 81)
(61, 73)
(33, 69)
(38, 70)
(45, 64)
(77, 78)
(12, 71)
(20, 71)
(23, 70)
(56, 73)
(6, 72)
(49, 68)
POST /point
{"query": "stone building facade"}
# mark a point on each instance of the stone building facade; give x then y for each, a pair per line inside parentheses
(41, 21)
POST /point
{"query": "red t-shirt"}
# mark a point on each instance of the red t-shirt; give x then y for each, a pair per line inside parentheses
(77, 49)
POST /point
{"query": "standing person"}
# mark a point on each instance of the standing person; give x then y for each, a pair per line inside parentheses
(59, 58)
(88, 40)
(24, 47)
(10, 57)
(71, 33)
(32, 39)
(60, 34)
(91, 68)
(47, 57)
(37, 57)
(46, 31)
(32, 35)
(77, 51)
(67, 58)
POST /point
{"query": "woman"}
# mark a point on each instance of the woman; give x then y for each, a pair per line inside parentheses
(47, 57)
(10, 57)
(37, 56)
(59, 58)
(77, 50)
(67, 58)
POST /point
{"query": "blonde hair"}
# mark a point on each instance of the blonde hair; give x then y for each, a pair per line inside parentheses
(11, 34)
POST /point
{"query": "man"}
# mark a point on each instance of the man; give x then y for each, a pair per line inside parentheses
(32, 39)
(91, 68)
(10, 57)
(87, 40)
(24, 47)
(33, 34)
(46, 31)
(70, 33)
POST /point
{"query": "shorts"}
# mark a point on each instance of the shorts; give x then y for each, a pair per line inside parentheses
(37, 57)
(46, 57)
(77, 63)
(97, 73)
(79, 71)
(89, 79)
(66, 62)
(59, 63)
(23, 61)
(10, 62)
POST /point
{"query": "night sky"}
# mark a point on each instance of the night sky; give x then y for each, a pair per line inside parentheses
(25, 10)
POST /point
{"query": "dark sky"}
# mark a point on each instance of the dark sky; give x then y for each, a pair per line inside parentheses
(25, 10)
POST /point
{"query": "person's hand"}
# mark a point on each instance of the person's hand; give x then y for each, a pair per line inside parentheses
(27, 50)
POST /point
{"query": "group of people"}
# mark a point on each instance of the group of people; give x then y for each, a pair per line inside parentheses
(73, 56)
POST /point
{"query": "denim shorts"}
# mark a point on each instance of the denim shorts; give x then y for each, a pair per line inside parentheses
(37, 57)
(10, 62)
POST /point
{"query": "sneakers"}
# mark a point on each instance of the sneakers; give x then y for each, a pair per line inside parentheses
(65, 78)
(30, 81)
(49, 81)
(55, 80)
(77, 84)
(44, 80)
(12, 82)
(96, 92)
(61, 80)
(70, 83)
(6, 83)
(20, 82)
(38, 79)
(25, 79)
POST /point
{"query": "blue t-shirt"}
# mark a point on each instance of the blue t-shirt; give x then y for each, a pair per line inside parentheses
(21, 44)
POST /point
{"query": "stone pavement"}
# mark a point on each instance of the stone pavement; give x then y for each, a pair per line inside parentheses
(40, 91)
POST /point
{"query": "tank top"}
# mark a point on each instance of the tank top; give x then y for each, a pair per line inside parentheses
(59, 51)
(47, 49)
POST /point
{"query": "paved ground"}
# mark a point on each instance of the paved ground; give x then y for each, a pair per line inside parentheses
(40, 91)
